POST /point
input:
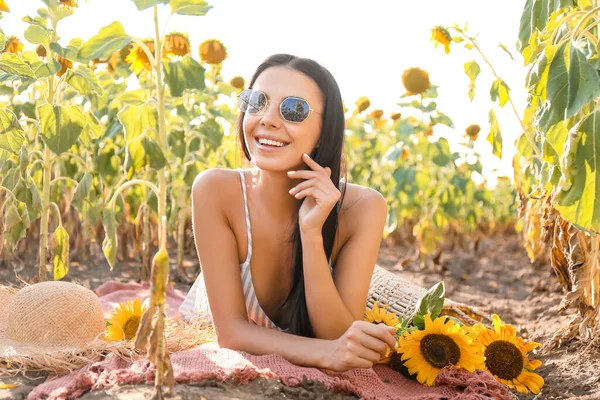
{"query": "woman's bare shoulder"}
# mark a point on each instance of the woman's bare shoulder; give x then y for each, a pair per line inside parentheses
(217, 183)
(359, 199)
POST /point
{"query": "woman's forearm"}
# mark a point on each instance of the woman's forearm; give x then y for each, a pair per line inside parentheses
(258, 340)
(328, 314)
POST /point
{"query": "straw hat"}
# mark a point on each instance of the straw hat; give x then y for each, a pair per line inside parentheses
(48, 317)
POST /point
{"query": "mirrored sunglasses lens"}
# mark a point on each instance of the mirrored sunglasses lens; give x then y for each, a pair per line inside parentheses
(256, 102)
(243, 100)
(294, 109)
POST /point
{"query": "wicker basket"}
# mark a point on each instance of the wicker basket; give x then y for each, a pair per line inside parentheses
(401, 297)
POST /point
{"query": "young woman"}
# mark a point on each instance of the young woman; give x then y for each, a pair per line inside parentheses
(287, 249)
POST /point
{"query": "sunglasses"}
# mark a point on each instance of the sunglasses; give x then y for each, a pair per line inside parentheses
(292, 109)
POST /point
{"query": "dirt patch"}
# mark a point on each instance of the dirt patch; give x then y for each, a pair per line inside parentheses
(497, 278)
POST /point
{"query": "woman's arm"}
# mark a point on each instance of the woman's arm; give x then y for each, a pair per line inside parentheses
(335, 302)
(213, 192)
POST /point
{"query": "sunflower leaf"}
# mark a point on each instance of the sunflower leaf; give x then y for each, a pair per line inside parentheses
(430, 303)
(61, 253)
(12, 136)
(472, 70)
(109, 39)
(143, 4)
(109, 244)
(190, 7)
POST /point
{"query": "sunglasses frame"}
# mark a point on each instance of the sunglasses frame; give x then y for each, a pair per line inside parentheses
(310, 109)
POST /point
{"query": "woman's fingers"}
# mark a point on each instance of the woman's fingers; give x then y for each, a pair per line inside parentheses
(310, 183)
(311, 163)
(381, 332)
(360, 351)
(374, 344)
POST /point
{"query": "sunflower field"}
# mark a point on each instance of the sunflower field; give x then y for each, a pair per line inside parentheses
(91, 164)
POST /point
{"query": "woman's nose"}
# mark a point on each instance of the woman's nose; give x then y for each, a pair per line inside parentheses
(271, 117)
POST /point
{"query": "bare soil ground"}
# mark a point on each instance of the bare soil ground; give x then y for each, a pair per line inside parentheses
(497, 278)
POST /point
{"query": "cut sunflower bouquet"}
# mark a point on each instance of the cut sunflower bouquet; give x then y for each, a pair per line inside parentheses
(429, 342)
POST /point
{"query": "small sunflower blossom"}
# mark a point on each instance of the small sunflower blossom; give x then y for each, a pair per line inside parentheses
(212, 52)
(124, 321)
(506, 356)
(440, 35)
(415, 81)
(440, 344)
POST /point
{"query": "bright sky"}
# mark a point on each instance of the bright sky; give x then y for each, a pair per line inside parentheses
(365, 44)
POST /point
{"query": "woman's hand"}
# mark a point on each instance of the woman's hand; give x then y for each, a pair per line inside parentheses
(321, 195)
(361, 346)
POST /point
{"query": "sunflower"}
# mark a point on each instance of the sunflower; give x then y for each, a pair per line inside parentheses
(124, 321)
(506, 356)
(237, 82)
(362, 103)
(415, 80)
(3, 6)
(138, 59)
(212, 51)
(13, 45)
(395, 116)
(442, 343)
(472, 132)
(376, 114)
(379, 315)
(64, 65)
(440, 35)
(176, 44)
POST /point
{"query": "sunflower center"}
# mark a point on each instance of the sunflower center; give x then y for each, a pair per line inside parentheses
(504, 360)
(130, 327)
(439, 350)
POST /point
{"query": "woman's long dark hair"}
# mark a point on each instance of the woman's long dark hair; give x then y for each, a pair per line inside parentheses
(327, 154)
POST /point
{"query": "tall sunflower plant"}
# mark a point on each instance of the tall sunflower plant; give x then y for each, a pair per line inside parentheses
(429, 342)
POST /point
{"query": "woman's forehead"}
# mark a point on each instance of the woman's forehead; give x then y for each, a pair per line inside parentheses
(280, 82)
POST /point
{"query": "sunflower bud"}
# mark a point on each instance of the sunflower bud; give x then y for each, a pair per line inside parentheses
(41, 51)
(376, 114)
(176, 44)
(237, 82)
(212, 51)
(64, 65)
(362, 104)
(472, 132)
(396, 116)
(415, 81)
(13, 45)
(440, 35)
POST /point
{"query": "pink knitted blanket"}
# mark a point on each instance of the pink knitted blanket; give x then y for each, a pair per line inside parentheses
(208, 361)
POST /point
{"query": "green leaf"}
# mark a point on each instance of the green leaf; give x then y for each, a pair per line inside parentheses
(83, 188)
(109, 39)
(568, 89)
(472, 69)
(143, 4)
(35, 34)
(71, 51)
(40, 68)
(12, 136)
(494, 137)
(143, 152)
(534, 16)
(580, 205)
(189, 7)
(184, 74)
(503, 47)
(61, 253)
(138, 120)
(83, 80)
(431, 302)
(13, 65)
(35, 21)
(60, 126)
(500, 90)
(135, 97)
(109, 244)
(2, 40)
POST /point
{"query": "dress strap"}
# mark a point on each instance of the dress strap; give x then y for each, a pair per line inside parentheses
(248, 227)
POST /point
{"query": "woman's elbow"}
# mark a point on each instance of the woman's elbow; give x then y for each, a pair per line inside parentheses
(230, 337)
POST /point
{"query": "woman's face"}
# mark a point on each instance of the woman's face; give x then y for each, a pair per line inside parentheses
(278, 83)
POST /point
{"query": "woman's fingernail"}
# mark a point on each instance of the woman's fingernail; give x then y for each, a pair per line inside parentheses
(292, 190)
(306, 155)
(291, 172)
(396, 346)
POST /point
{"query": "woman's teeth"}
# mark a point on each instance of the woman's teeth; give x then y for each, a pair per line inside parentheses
(271, 142)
